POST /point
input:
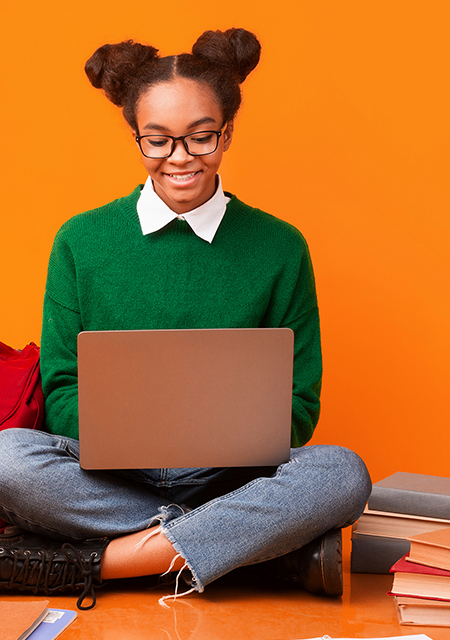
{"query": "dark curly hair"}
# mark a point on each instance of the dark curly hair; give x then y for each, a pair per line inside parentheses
(221, 59)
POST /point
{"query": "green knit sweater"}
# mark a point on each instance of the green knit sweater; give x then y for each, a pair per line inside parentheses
(104, 274)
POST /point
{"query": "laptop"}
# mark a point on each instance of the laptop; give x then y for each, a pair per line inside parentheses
(185, 398)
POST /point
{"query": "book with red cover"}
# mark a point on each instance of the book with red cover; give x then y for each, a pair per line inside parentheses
(420, 581)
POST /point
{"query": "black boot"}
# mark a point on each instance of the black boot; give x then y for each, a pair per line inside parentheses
(29, 562)
(316, 567)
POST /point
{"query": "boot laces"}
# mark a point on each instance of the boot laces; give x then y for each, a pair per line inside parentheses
(47, 575)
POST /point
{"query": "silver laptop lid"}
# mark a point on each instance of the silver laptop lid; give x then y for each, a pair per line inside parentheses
(185, 398)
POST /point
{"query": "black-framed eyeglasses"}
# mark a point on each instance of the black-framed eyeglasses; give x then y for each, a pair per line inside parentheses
(200, 143)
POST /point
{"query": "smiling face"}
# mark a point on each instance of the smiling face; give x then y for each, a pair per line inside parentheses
(178, 108)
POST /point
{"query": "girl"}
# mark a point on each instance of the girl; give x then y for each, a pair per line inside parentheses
(178, 252)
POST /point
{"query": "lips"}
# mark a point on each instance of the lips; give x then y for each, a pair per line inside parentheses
(182, 177)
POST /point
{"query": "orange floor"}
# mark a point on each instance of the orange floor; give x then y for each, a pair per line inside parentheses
(231, 612)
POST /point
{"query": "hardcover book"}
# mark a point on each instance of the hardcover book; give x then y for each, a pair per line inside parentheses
(19, 619)
(418, 611)
(432, 548)
(412, 493)
(374, 554)
(419, 581)
(396, 525)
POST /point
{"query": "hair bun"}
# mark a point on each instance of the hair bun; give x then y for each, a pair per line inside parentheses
(237, 49)
(113, 66)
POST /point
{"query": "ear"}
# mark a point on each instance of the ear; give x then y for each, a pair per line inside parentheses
(228, 135)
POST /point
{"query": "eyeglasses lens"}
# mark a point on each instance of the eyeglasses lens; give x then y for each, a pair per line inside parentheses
(198, 144)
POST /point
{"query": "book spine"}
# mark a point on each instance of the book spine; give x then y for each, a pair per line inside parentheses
(376, 554)
(414, 503)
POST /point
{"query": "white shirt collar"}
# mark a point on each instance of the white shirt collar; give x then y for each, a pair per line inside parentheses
(154, 214)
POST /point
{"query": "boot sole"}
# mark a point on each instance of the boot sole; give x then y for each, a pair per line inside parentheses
(331, 562)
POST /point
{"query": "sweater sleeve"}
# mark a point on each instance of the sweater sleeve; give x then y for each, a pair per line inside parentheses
(60, 328)
(294, 305)
(307, 376)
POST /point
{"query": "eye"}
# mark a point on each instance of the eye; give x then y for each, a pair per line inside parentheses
(201, 138)
(156, 142)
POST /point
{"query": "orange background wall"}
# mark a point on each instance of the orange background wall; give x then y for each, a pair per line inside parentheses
(354, 97)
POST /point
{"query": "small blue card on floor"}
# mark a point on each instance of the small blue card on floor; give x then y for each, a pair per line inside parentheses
(53, 624)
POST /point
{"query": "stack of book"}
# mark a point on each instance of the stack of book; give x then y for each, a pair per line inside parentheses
(400, 506)
(421, 586)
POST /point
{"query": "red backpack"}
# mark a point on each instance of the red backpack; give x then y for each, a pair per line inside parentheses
(21, 397)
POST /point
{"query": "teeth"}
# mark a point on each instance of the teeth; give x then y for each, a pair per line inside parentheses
(185, 176)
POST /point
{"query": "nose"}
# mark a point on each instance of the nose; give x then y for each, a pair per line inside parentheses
(179, 154)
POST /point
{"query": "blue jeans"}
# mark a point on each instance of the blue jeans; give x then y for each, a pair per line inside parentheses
(218, 519)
